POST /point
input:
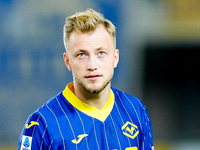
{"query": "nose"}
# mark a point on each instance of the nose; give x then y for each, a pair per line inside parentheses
(92, 64)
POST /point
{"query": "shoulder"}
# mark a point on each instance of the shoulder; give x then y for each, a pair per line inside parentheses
(134, 107)
(47, 110)
(127, 99)
(38, 126)
(44, 115)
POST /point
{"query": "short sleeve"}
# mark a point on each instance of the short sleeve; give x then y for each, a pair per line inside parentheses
(34, 135)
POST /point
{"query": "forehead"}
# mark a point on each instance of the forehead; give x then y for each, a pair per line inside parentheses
(98, 37)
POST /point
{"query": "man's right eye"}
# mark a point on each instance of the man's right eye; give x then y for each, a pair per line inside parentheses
(81, 54)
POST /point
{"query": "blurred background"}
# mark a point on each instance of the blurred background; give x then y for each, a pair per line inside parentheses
(159, 43)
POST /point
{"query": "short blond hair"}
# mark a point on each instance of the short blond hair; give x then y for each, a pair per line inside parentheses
(86, 22)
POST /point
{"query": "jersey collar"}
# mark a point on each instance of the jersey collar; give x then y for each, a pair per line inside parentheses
(87, 109)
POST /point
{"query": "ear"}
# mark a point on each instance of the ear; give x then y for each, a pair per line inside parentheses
(66, 60)
(116, 58)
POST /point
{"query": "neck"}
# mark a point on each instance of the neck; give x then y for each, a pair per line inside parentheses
(95, 100)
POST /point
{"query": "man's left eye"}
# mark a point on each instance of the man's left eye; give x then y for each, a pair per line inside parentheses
(101, 53)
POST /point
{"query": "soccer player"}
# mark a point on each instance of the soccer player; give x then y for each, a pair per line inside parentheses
(89, 114)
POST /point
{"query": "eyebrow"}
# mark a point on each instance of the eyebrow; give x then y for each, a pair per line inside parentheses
(100, 48)
(83, 50)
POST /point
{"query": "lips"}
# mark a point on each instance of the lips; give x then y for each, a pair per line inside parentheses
(93, 76)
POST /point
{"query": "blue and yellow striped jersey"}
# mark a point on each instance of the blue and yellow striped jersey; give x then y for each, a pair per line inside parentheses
(66, 123)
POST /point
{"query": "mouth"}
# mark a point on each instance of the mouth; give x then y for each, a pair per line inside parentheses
(93, 77)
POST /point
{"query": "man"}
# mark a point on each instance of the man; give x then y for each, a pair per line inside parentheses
(89, 114)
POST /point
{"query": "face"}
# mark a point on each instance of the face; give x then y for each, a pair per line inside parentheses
(92, 58)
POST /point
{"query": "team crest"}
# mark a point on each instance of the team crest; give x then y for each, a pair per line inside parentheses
(130, 130)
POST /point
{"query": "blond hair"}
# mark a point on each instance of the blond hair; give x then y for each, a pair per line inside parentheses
(86, 22)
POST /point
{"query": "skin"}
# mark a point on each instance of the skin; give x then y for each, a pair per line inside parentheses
(92, 57)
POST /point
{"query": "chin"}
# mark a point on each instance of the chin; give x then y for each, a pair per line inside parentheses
(93, 87)
(97, 89)
(94, 90)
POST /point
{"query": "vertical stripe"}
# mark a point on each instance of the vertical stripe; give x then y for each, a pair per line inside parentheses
(116, 132)
(45, 127)
(137, 117)
(124, 107)
(43, 138)
(67, 120)
(143, 145)
(105, 136)
(83, 128)
(50, 144)
(58, 126)
(122, 122)
(95, 134)
(42, 117)
(42, 133)
(35, 126)
(129, 115)
(119, 113)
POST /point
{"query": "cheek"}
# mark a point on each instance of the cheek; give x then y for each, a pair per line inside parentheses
(108, 65)
(77, 67)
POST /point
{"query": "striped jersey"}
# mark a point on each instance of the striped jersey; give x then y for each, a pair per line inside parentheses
(66, 123)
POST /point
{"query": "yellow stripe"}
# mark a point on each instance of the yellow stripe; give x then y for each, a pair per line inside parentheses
(131, 148)
(87, 109)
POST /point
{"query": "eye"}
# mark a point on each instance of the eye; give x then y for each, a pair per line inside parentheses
(101, 53)
(81, 55)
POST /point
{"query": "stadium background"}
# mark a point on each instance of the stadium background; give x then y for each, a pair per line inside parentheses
(159, 62)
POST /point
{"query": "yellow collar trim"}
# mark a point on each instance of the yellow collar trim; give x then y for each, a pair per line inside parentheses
(87, 109)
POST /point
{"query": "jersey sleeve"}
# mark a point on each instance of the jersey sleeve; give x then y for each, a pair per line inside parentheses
(34, 135)
(147, 143)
